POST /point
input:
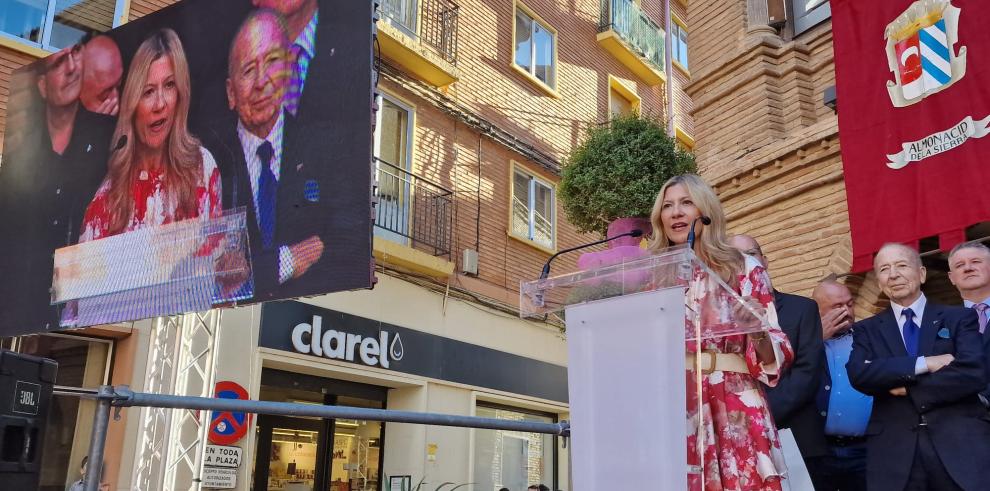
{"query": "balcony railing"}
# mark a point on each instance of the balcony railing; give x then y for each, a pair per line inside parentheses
(635, 28)
(411, 208)
(438, 26)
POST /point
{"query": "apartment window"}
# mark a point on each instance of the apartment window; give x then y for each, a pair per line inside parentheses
(679, 42)
(532, 208)
(513, 459)
(402, 14)
(622, 100)
(809, 13)
(536, 46)
(393, 164)
(56, 24)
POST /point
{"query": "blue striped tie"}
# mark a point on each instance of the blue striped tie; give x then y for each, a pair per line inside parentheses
(910, 332)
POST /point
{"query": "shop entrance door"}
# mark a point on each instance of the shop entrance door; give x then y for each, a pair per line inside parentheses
(291, 454)
(308, 454)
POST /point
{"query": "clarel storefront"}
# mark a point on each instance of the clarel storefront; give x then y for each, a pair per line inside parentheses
(422, 354)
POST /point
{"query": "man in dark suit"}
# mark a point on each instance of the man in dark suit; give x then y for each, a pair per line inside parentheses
(47, 180)
(792, 400)
(969, 271)
(260, 160)
(923, 365)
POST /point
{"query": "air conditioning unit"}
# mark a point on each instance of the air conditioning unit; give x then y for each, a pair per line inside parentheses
(469, 263)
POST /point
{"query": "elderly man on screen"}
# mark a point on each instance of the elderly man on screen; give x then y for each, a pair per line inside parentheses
(923, 365)
(255, 150)
(969, 271)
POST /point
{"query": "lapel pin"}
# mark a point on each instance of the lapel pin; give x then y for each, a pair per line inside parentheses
(311, 190)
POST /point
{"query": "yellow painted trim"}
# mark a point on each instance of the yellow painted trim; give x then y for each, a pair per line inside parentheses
(23, 47)
(625, 91)
(539, 83)
(678, 21)
(680, 67)
(556, 49)
(613, 43)
(683, 2)
(685, 138)
(415, 57)
(513, 165)
(405, 257)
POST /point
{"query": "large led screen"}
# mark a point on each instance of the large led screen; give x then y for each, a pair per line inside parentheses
(216, 152)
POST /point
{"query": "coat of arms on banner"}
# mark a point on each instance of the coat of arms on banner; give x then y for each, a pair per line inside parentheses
(921, 51)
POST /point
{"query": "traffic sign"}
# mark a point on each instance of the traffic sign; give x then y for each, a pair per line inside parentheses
(226, 427)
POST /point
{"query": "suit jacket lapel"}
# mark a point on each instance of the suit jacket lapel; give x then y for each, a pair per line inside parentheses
(891, 333)
(930, 323)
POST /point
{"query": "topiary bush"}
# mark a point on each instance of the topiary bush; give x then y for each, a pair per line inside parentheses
(617, 171)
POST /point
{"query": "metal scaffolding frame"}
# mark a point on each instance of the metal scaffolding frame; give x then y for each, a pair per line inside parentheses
(109, 397)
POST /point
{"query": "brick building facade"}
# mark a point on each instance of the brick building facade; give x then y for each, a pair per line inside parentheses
(465, 120)
(770, 145)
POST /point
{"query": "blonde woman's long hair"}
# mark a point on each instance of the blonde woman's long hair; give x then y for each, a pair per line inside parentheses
(183, 169)
(711, 245)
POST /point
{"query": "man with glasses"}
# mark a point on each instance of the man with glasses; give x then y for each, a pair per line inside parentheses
(48, 177)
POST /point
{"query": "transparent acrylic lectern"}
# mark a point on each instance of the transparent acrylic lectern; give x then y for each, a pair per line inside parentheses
(629, 332)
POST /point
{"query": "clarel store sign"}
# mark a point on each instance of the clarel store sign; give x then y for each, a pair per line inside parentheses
(298, 327)
(310, 337)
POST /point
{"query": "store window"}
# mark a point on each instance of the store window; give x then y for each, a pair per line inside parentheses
(536, 46)
(82, 362)
(532, 208)
(809, 13)
(513, 459)
(295, 453)
(56, 24)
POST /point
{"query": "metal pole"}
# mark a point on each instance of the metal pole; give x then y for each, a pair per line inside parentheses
(668, 45)
(97, 441)
(126, 398)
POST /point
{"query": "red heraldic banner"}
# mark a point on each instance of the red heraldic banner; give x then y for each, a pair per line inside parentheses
(913, 87)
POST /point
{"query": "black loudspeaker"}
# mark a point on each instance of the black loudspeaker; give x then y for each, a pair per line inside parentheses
(25, 398)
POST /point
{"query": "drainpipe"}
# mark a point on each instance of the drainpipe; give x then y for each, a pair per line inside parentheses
(667, 67)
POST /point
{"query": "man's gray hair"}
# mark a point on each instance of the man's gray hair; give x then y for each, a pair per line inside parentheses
(968, 245)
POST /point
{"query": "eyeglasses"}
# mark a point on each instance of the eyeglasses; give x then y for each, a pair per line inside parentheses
(62, 56)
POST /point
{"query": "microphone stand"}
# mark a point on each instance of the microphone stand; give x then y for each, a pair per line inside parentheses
(546, 266)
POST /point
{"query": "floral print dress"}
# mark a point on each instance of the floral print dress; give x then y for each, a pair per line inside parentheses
(152, 206)
(741, 448)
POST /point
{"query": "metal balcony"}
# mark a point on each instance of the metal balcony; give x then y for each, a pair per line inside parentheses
(413, 211)
(632, 37)
(421, 35)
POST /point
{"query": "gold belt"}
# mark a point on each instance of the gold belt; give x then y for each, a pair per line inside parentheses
(712, 361)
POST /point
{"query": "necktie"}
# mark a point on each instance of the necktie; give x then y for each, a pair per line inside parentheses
(981, 309)
(910, 332)
(300, 64)
(267, 192)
